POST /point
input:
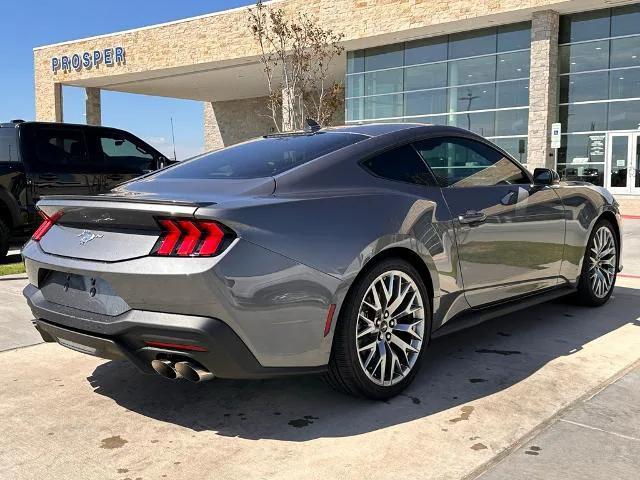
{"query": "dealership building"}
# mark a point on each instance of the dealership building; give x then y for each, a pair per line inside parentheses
(506, 69)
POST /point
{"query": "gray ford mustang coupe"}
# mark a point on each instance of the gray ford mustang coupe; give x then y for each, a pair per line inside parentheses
(340, 251)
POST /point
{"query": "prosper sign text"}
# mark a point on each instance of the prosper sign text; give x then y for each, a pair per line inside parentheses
(87, 60)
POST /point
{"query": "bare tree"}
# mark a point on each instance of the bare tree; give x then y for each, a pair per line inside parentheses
(296, 55)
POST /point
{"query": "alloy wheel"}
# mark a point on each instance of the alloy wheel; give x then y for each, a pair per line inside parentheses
(390, 328)
(602, 262)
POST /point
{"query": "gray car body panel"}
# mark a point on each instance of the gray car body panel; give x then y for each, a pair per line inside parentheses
(304, 236)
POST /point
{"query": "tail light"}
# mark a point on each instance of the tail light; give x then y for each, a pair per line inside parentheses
(191, 238)
(45, 226)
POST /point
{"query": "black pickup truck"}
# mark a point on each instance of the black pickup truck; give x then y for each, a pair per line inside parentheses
(38, 159)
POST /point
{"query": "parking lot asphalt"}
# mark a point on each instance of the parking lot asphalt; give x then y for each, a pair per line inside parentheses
(484, 397)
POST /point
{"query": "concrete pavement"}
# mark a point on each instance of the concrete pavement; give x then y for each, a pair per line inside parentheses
(597, 438)
(631, 247)
(67, 415)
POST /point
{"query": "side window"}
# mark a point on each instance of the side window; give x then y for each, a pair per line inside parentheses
(122, 155)
(8, 145)
(401, 164)
(460, 162)
(60, 150)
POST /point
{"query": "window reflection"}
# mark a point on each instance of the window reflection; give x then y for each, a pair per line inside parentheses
(585, 117)
(584, 87)
(469, 44)
(383, 106)
(425, 76)
(476, 97)
(424, 103)
(425, 51)
(386, 81)
(584, 57)
(472, 70)
(512, 94)
(513, 65)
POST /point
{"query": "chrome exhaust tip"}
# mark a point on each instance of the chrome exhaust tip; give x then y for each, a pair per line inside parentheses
(165, 368)
(193, 373)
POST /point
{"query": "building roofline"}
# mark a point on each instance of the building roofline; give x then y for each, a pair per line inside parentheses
(149, 27)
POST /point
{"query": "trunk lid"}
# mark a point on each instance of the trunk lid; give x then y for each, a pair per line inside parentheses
(122, 225)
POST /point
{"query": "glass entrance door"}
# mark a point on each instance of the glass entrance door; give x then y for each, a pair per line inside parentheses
(623, 163)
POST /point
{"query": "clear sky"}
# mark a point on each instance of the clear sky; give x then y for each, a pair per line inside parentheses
(25, 24)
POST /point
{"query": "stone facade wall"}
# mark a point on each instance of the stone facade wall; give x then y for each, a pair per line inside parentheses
(234, 121)
(93, 106)
(543, 88)
(225, 39)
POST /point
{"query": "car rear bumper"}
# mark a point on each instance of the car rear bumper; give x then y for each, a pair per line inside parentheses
(124, 337)
(275, 306)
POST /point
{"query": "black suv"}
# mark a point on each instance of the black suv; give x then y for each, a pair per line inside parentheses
(38, 159)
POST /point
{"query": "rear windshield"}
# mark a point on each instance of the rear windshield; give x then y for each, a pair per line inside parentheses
(264, 157)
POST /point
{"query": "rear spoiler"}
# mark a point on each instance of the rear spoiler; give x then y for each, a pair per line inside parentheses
(59, 199)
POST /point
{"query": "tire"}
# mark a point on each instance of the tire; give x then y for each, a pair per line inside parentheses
(599, 269)
(364, 374)
(5, 236)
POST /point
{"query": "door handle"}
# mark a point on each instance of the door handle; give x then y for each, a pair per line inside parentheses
(471, 217)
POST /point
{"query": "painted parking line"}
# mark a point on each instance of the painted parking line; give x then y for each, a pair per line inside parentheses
(631, 217)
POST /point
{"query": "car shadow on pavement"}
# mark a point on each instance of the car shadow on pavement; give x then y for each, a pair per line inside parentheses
(458, 369)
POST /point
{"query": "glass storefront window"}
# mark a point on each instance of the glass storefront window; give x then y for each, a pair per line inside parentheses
(624, 115)
(482, 123)
(589, 117)
(383, 106)
(583, 57)
(625, 52)
(512, 94)
(388, 56)
(355, 85)
(470, 44)
(516, 147)
(433, 80)
(512, 122)
(425, 51)
(584, 87)
(425, 102)
(355, 61)
(587, 172)
(513, 65)
(625, 20)
(585, 26)
(472, 70)
(425, 76)
(385, 81)
(432, 120)
(625, 83)
(355, 109)
(516, 36)
(473, 97)
(577, 160)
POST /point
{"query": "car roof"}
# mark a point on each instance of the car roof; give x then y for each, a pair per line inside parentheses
(64, 124)
(376, 129)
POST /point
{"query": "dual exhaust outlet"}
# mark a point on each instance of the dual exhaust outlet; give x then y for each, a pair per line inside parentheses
(173, 370)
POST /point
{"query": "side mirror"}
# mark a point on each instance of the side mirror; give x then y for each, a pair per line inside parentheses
(545, 176)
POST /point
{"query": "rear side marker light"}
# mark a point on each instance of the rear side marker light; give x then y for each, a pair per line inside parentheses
(191, 238)
(45, 226)
(329, 321)
(176, 346)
